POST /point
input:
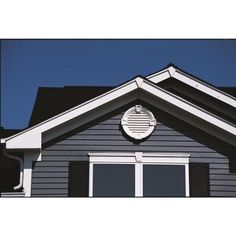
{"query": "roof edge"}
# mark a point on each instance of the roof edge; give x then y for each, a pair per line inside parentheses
(28, 141)
(172, 71)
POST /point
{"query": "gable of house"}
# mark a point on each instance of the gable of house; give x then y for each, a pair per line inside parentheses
(59, 100)
(31, 138)
(53, 176)
(61, 147)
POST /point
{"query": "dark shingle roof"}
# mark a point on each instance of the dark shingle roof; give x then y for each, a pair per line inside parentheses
(8, 132)
(52, 101)
(229, 90)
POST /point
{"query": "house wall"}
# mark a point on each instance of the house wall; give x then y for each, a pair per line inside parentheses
(50, 176)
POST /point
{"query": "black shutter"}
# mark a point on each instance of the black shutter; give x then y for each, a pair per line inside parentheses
(78, 179)
(199, 179)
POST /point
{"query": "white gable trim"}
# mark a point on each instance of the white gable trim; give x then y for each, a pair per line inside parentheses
(31, 138)
(184, 105)
(193, 82)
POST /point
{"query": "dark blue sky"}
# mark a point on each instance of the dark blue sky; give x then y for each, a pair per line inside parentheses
(28, 64)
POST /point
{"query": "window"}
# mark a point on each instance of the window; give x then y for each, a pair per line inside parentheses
(139, 174)
(113, 180)
(163, 180)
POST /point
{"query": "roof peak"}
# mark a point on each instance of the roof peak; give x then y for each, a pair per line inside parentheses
(171, 65)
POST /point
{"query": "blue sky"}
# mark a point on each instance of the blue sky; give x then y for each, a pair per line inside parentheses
(29, 64)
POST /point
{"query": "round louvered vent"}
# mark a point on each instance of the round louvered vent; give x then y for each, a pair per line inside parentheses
(138, 122)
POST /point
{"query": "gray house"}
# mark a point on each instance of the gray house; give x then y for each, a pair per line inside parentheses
(167, 134)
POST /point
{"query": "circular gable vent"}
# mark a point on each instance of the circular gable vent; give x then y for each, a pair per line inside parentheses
(138, 122)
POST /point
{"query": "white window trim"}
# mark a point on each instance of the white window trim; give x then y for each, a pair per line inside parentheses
(139, 159)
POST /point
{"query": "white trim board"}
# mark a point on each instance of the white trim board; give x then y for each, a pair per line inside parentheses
(177, 74)
(29, 157)
(188, 107)
(31, 138)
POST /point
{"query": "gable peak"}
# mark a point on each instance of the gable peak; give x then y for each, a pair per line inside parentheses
(139, 81)
(171, 70)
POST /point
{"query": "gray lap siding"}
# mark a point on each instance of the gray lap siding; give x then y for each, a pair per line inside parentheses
(50, 176)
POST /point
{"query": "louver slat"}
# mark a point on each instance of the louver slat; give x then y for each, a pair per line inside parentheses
(138, 122)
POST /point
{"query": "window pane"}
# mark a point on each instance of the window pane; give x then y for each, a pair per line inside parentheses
(163, 180)
(113, 180)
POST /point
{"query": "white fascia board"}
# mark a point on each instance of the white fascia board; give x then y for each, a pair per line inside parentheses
(195, 83)
(205, 88)
(188, 107)
(31, 138)
(159, 76)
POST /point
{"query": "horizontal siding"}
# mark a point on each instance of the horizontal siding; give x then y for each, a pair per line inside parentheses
(212, 159)
(110, 142)
(84, 153)
(49, 191)
(117, 132)
(223, 177)
(223, 194)
(114, 147)
(219, 171)
(120, 138)
(50, 186)
(50, 176)
(69, 157)
(72, 156)
(53, 164)
(219, 165)
(51, 169)
(223, 188)
(50, 179)
(223, 182)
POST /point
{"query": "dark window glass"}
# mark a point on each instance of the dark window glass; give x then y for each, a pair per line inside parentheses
(163, 180)
(113, 180)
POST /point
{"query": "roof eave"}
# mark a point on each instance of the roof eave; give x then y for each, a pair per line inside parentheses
(176, 73)
(31, 138)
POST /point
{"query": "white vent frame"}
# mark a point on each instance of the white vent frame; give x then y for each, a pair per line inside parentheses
(141, 123)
